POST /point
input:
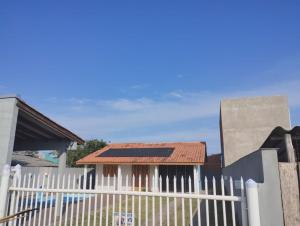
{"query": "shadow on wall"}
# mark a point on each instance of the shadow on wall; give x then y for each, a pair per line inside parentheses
(91, 180)
(214, 219)
(262, 167)
(212, 168)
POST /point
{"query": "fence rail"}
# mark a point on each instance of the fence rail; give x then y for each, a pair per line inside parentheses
(65, 200)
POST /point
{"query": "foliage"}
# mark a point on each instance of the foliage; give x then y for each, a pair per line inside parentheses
(83, 150)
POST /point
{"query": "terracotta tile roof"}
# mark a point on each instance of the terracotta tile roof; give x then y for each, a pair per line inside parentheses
(184, 153)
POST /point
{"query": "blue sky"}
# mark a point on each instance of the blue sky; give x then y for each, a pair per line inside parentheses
(148, 71)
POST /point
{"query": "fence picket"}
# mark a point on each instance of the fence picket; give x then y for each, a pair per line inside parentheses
(41, 201)
(13, 194)
(132, 198)
(27, 197)
(95, 201)
(73, 199)
(190, 201)
(114, 202)
(232, 203)
(153, 200)
(31, 200)
(46, 200)
(61, 202)
(120, 198)
(107, 201)
(175, 200)
(90, 201)
(160, 202)
(126, 202)
(215, 202)
(146, 203)
(56, 200)
(101, 200)
(243, 204)
(77, 206)
(223, 202)
(22, 196)
(84, 196)
(168, 202)
(18, 198)
(206, 202)
(67, 200)
(140, 189)
(52, 189)
(182, 202)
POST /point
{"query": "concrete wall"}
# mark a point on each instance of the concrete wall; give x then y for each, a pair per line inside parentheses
(50, 171)
(262, 167)
(246, 123)
(290, 193)
(8, 122)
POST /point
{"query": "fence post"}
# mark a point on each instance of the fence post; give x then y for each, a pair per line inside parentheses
(253, 203)
(4, 189)
(16, 178)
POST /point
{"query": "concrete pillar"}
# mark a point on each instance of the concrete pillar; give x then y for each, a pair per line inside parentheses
(156, 179)
(4, 189)
(289, 148)
(119, 177)
(62, 161)
(196, 178)
(8, 124)
(85, 176)
(200, 177)
(253, 203)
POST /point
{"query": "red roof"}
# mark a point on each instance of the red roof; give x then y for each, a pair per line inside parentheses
(183, 153)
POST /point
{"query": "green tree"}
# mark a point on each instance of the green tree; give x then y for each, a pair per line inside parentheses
(83, 150)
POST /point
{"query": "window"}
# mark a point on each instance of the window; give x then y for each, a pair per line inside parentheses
(110, 170)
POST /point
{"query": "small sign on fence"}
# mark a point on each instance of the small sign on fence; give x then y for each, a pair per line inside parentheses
(129, 218)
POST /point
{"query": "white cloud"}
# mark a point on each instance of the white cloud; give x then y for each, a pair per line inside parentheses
(109, 118)
(176, 94)
(127, 104)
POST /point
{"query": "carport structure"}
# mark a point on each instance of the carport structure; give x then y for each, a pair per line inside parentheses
(24, 128)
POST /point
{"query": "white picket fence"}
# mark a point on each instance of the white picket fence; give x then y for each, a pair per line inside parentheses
(62, 200)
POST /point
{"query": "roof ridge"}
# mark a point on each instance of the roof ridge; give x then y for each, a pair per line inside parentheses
(177, 142)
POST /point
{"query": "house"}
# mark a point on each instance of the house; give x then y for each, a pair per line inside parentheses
(182, 159)
(23, 128)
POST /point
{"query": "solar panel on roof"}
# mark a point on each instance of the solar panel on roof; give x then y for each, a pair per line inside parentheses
(137, 152)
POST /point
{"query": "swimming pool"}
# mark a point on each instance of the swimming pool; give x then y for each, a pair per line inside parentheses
(67, 198)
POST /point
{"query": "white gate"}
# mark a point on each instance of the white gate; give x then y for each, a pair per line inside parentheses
(64, 200)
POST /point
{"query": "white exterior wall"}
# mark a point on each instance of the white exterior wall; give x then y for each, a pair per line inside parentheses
(99, 173)
(125, 170)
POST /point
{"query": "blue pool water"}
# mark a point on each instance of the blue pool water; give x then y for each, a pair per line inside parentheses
(67, 198)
